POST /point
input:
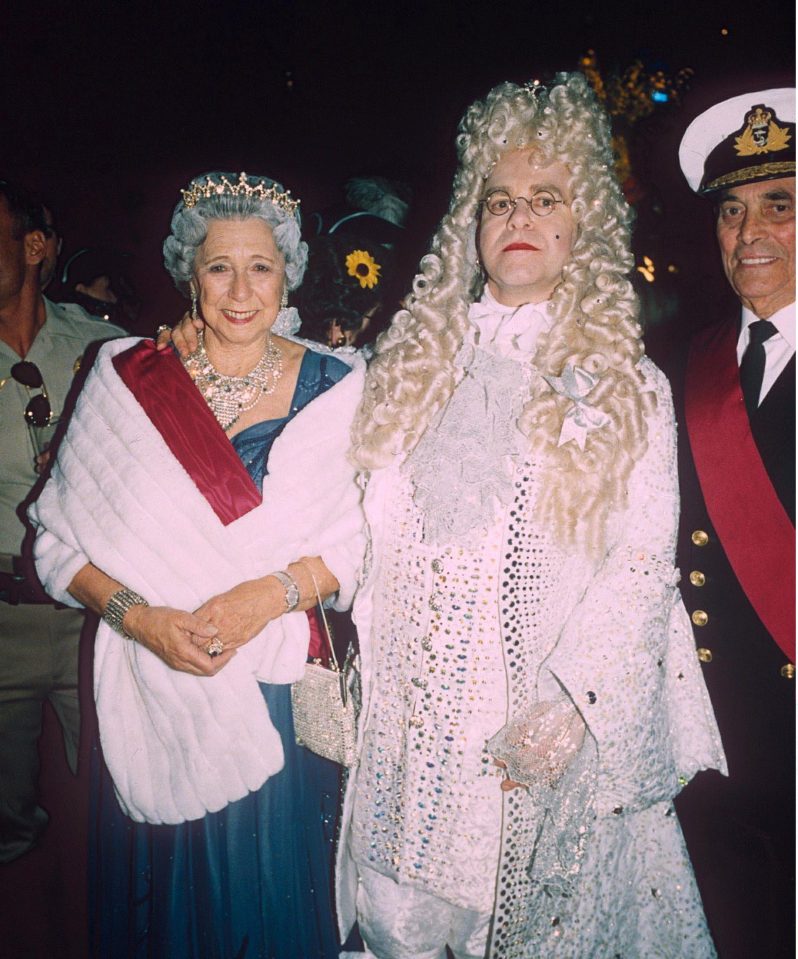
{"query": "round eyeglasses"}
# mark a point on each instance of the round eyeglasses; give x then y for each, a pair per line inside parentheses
(500, 203)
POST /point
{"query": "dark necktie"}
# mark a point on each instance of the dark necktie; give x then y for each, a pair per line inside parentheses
(752, 368)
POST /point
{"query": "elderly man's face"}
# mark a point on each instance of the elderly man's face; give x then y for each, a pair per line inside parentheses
(756, 233)
(522, 253)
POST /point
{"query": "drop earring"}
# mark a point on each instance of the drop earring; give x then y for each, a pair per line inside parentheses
(286, 322)
(194, 313)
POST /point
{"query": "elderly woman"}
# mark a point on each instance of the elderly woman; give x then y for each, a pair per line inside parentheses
(519, 607)
(183, 509)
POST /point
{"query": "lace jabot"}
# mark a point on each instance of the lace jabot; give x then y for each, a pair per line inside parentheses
(463, 465)
(508, 331)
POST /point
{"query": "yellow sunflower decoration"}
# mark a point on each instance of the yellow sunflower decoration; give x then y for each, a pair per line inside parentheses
(362, 266)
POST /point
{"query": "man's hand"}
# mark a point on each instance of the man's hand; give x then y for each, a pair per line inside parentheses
(41, 461)
(184, 335)
(507, 784)
(537, 747)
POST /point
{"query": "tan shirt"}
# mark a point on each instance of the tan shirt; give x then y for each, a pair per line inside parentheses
(67, 332)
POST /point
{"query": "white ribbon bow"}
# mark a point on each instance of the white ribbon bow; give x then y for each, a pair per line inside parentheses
(581, 418)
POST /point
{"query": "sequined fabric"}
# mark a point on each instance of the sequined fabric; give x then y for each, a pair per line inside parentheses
(571, 867)
(428, 805)
(511, 610)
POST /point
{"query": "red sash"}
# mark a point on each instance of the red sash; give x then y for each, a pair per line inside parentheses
(176, 409)
(750, 521)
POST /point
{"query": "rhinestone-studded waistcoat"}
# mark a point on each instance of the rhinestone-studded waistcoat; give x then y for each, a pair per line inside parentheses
(428, 805)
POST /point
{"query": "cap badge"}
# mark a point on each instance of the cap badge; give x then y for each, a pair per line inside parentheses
(762, 133)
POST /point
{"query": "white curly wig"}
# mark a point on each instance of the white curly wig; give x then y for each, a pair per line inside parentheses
(189, 228)
(595, 311)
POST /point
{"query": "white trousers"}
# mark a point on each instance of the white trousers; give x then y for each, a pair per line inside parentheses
(400, 921)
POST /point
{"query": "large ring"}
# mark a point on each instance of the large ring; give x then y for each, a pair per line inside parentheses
(161, 329)
(215, 647)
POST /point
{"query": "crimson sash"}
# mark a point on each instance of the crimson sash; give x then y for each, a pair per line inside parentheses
(177, 410)
(751, 522)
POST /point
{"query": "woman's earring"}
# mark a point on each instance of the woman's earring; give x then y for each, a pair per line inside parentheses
(194, 314)
(286, 323)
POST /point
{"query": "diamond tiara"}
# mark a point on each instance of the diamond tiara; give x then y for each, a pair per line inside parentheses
(198, 190)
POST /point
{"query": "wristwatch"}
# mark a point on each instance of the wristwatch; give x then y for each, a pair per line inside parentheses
(291, 589)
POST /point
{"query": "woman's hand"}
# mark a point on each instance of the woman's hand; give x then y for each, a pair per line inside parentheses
(180, 639)
(184, 335)
(243, 611)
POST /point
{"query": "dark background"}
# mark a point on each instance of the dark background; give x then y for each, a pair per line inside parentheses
(109, 108)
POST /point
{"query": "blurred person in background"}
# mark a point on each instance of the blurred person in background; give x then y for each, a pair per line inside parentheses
(349, 289)
(41, 347)
(98, 281)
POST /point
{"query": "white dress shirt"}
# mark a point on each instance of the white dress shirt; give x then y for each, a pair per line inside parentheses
(779, 349)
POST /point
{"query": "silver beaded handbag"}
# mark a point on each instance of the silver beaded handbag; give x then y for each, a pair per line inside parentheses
(325, 707)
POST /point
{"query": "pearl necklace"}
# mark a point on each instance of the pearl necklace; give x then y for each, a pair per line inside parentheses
(230, 396)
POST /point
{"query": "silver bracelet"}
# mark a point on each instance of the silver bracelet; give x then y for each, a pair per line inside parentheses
(291, 589)
(116, 607)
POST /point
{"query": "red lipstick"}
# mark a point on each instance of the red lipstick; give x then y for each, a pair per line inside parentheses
(519, 246)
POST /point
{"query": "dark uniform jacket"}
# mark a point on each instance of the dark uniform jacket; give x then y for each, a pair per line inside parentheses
(741, 830)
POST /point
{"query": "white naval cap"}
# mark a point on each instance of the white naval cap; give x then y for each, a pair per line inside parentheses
(741, 140)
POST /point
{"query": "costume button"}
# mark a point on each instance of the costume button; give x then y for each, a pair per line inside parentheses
(436, 602)
(699, 537)
(697, 578)
(788, 671)
(437, 566)
(699, 617)
(705, 655)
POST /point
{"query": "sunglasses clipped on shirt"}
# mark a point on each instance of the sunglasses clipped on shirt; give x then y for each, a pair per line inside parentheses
(38, 412)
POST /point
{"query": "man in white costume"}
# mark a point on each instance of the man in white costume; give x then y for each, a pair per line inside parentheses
(519, 615)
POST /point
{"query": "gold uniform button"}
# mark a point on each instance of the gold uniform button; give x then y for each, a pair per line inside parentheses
(705, 655)
(788, 671)
(697, 578)
(700, 618)
(699, 537)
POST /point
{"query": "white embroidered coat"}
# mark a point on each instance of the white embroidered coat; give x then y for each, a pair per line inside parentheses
(601, 868)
